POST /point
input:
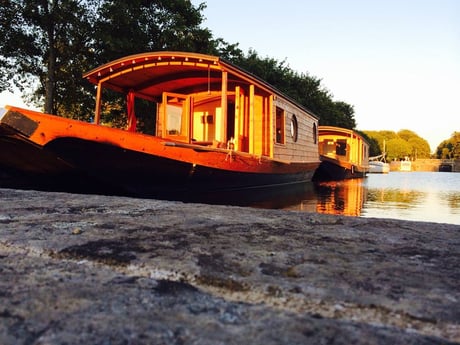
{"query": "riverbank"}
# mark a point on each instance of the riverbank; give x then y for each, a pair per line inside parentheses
(110, 270)
(452, 165)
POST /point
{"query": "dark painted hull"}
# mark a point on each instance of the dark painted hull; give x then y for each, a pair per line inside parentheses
(136, 173)
(92, 167)
(332, 170)
(71, 164)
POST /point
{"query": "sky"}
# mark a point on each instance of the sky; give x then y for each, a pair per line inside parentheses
(396, 61)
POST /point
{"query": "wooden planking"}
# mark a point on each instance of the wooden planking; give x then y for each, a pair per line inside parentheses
(305, 148)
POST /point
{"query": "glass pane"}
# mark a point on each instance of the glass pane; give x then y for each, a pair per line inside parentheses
(174, 120)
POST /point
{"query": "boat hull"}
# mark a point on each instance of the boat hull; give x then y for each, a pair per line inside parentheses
(344, 154)
(44, 152)
(333, 169)
(379, 168)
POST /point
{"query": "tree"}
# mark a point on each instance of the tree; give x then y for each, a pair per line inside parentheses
(374, 148)
(449, 148)
(398, 148)
(420, 147)
(382, 138)
(50, 43)
(406, 134)
(137, 26)
(131, 27)
(414, 146)
(44, 44)
(301, 87)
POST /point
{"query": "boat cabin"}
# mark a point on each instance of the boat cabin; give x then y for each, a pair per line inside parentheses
(344, 145)
(206, 101)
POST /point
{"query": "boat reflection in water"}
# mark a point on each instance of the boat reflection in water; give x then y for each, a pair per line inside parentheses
(297, 196)
(419, 196)
(344, 197)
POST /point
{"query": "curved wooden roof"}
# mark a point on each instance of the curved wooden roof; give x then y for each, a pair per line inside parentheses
(150, 74)
(332, 130)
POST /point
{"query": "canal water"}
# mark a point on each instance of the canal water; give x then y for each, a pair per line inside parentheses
(419, 196)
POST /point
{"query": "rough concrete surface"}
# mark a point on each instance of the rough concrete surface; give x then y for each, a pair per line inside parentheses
(88, 269)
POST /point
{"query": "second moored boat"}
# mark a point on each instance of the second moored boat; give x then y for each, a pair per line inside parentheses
(344, 154)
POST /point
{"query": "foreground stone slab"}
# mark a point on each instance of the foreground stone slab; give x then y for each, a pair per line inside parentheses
(88, 269)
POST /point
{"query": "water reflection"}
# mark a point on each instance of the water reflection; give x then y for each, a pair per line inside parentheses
(452, 200)
(300, 196)
(345, 197)
(394, 197)
(420, 196)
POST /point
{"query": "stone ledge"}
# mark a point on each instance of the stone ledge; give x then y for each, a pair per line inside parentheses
(96, 269)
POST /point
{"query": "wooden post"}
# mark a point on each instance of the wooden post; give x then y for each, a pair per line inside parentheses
(238, 118)
(190, 117)
(251, 133)
(97, 114)
(271, 121)
(223, 129)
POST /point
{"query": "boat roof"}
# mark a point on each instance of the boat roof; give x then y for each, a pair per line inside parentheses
(332, 130)
(150, 74)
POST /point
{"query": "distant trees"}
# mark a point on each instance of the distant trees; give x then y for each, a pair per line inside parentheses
(399, 145)
(46, 46)
(449, 148)
(398, 148)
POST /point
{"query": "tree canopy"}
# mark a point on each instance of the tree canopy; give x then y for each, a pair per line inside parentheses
(450, 148)
(398, 145)
(48, 45)
(301, 87)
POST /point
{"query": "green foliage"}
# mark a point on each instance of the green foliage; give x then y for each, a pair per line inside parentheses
(449, 148)
(406, 134)
(301, 87)
(398, 148)
(48, 45)
(404, 143)
(44, 47)
(136, 26)
(419, 147)
(374, 148)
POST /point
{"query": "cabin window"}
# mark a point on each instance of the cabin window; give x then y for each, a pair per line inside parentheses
(279, 125)
(328, 147)
(294, 128)
(341, 147)
(315, 134)
(176, 116)
(174, 120)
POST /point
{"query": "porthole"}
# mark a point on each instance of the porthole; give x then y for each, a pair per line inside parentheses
(294, 128)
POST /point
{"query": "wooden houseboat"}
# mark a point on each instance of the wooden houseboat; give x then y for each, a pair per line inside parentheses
(343, 152)
(217, 127)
